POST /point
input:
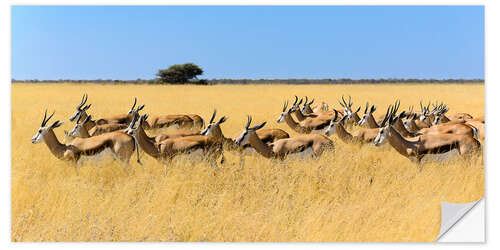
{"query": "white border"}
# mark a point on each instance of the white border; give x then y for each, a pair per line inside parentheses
(492, 70)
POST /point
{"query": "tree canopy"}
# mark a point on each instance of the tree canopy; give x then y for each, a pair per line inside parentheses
(179, 73)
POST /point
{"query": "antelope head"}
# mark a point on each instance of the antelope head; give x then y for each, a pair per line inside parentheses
(367, 113)
(409, 119)
(132, 127)
(332, 127)
(441, 110)
(347, 106)
(208, 131)
(384, 126)
(284, 112)
(78, 126)
(424, 111)
(80, 108)
(42, 131)
(296, 106)
(245, 135)
(306, 105)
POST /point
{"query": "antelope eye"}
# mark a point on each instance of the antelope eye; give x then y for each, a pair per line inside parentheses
(40, 131)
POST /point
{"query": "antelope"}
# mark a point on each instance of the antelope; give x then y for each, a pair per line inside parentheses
(309, 125)
(313, 144)
(121, 145)
(362, 135)
(164, 121)
(81, 128)
(426, 144)
(164, 151)
(267, 136)
(425, 118)
(301, 116)
(368, 117)
(123, 118)
(308, 111)
(298, 113)
(352, 117)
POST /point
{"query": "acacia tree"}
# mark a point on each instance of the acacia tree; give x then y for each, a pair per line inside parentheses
(179, 73)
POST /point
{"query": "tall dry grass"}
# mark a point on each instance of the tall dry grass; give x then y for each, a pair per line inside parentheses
(357, 194)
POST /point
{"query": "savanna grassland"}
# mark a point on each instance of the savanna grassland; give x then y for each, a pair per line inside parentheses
(356, 194)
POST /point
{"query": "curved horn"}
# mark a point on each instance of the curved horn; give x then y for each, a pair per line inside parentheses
(213, 116)
(345, 104)
(47, 120)
(295, 102)
(44, 117)
(285, 105)
(249, 120)
(84, 100)
(307, 98)
(366, 108)
(300, 102)
(389, 109)
(396, 106)
(135, 102)
(350, 102)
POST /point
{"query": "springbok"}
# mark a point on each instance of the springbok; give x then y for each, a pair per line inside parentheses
(298, 113)
(352, 117)
(307, 126)
(362, 135)
(165, 121)
(301, 116)
(121, 145)
(206, 147)
(267, 136)
(308, 111)
(426, 144)
(81, 112)
(368, 117)
(81, 128)
(313, 144)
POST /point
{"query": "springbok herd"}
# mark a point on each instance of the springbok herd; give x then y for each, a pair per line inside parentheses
(413, 134)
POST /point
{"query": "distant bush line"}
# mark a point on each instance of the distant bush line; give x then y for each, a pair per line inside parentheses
(267, 81)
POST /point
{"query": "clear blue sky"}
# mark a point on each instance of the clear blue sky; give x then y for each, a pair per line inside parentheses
(110, 42)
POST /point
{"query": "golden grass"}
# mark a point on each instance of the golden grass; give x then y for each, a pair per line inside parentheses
(357, 194)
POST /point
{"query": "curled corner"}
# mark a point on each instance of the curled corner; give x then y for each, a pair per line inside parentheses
(451, 213)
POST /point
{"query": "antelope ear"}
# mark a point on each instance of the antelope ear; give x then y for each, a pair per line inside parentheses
(258, 126)
(222, 120)
(87, 119)
(86, 107)
(374, 107)
(140, 107)
(357, 110)
(56, 124)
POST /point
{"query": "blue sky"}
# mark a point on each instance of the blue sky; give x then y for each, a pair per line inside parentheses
(130, 42)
